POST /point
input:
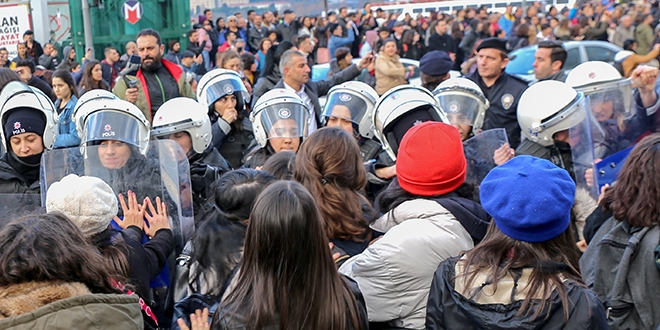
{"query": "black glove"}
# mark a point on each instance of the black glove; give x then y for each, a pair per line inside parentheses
(201, 176)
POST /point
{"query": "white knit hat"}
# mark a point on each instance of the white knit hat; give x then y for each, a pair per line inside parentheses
(88, 201)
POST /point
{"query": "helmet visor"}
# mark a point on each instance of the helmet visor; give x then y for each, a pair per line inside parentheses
(225, 87)
(461, 108)
(345, 106)
(611, 101)
(164, 131)
(285, 120)
(112, 125)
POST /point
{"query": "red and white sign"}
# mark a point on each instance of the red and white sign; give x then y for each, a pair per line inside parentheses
(14, 20)
(132, 10)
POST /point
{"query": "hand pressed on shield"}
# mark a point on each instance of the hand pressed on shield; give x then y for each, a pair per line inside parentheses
(156, 219)
(503, 154)
(133, 212)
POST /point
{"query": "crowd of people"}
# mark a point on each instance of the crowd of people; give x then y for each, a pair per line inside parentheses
(220, 187)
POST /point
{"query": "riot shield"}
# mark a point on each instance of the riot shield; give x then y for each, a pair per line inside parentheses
(479, 152)
(622, 124)
(588, 144)
(161, 172)
(13, 206)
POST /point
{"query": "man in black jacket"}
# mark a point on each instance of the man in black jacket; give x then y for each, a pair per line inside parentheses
(440, 40)
(289, 26)
(49, 58)
(295, 77)
(25, 69)
(256, 33)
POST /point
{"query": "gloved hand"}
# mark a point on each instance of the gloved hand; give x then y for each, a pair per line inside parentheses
(202, 175)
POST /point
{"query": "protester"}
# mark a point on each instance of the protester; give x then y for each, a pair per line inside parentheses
(67, 96)
(92, 78)
(44, 284)
(158, 80)
(528, 245)
(329, 165)
(305, 289)
(422, 224)
(616, 263)
(389, 70)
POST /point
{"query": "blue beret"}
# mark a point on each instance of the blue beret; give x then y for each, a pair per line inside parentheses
(529, 198)
(435, 63)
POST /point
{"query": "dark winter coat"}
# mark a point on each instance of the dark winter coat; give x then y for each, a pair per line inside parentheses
(449, 308)
(13, 182)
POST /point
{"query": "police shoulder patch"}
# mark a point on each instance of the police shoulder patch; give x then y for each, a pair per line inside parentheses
(507, 100)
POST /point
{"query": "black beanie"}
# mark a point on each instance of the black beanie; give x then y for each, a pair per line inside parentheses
(24, 120)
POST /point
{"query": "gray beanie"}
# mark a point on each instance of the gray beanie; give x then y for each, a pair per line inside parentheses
(88, 201)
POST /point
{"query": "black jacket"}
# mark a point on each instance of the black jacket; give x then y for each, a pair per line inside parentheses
(234, 144)
(49, 62)
(448, 309)
(146, 260)
(443, 42)
(43, 86)
(12, 182)
(503, 96)
(254, 37)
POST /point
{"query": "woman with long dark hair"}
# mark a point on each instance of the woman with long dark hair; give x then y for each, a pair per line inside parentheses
(217, 247)
(288, 279)
(65, 89)
(411, 46)
(44, 284)
(329, 165)
(524, 274)
(92, 78)
(343, 59)
(618, 263)
(428, 216)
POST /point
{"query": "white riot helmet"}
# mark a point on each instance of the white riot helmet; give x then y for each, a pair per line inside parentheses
(542, 114)
(352, 101)
(17, 96)
(170, 119)
(104, 118)
(463, 102)
(602, 83)
(401, 108)
(218, 83)
(279, 113)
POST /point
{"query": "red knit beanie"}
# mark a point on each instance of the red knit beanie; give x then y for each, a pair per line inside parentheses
(430, 160)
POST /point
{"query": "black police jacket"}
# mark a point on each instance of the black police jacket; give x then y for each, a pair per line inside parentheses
(503, 96)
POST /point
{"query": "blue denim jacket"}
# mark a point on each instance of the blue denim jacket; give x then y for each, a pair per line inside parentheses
(67, 134)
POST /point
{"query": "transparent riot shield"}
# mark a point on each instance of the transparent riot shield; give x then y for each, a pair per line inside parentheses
(13, 206)
(162, 172)
(623, 124)
(588, 144)
(479, 152)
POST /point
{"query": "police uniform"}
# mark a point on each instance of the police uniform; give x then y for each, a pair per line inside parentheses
(503, 96)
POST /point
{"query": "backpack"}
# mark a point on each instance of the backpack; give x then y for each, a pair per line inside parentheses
(620, 267)
(188, 305)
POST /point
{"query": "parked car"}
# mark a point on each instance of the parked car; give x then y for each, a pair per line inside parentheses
(522, 60)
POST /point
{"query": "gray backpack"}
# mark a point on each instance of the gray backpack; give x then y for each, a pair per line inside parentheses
(620, 266)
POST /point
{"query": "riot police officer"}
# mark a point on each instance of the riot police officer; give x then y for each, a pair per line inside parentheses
(224, 94)
(29, 126)
(280, 120)
(401, 108)
(350, 106)
(192, 130)
(502, 90)
(464, 104)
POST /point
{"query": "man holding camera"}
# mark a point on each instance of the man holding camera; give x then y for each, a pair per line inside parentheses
(157, 80)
